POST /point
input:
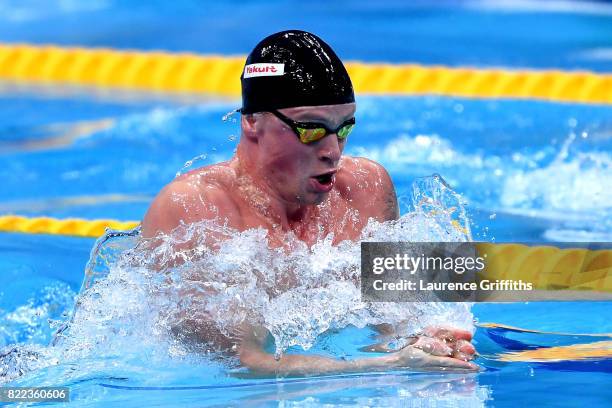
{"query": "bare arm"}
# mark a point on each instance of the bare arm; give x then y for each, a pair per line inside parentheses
(387, 197)
(379, 201)
(182, 201)
(253, 356)
(187, 201)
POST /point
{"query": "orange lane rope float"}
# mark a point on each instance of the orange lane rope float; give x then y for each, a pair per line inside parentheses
(219, 75)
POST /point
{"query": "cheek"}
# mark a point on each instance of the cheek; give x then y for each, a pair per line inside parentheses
(286, 162)
(287, 165)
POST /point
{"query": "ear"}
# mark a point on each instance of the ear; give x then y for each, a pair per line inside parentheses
(248, 123)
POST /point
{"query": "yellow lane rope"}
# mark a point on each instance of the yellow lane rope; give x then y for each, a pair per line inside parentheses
(192, 73)
(547, 267)
(574, 352)
(70, 226)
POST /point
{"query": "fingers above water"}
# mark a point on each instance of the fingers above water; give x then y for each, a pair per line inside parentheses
(464, 346)
(448, 333)
(416, 358)
(433, 346)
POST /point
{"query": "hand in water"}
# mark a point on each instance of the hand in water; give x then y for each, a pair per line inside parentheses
(435, 347)
(447, 342)
(439, 348)
(415, 358)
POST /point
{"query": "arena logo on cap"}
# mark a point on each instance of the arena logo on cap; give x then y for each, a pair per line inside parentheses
(259, 70)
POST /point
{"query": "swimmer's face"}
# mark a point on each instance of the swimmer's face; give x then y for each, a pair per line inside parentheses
(297, 172)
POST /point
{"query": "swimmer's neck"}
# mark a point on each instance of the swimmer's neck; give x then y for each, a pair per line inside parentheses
(265, 200)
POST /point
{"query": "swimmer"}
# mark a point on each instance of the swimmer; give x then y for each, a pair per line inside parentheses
(289, 176)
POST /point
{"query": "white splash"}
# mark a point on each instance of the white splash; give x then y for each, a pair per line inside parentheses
(147, 302)
(220, 283)
(405, 150)
(577, 184)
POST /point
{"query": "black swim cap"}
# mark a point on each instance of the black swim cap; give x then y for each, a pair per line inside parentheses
(293, 68)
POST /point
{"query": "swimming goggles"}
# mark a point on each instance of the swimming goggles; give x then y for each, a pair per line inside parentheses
(309, 132)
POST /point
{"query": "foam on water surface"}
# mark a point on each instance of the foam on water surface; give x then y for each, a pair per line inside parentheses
(146, 301)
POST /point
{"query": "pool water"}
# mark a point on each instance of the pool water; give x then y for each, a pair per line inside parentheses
(506, 185)
(526, 171)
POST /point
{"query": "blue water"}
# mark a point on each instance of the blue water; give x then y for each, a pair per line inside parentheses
(528, 171)
(500, 155)
(479, 149)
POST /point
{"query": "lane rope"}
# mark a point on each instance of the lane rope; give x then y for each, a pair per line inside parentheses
(574, 352)
(219, 75)
(69, 226)
(547, 267)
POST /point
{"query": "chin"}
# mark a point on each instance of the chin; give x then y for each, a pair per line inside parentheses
(309, 198)
(318, 198)
(321, 198)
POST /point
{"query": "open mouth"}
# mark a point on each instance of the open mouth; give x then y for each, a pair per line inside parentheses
(325, 178)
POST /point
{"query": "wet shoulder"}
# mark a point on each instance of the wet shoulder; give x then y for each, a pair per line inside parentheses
(367, 186)
(221, 176)
(358, 176)
(212, 187)
(195, 196)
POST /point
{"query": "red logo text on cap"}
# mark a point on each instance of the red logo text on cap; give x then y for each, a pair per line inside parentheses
(260, 70)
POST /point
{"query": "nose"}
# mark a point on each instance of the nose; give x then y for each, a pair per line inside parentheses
(329, 149)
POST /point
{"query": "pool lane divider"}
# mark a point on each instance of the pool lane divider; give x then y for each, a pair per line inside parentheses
(574, 352)
(69, 226)
(548, 267)
(219, 75)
